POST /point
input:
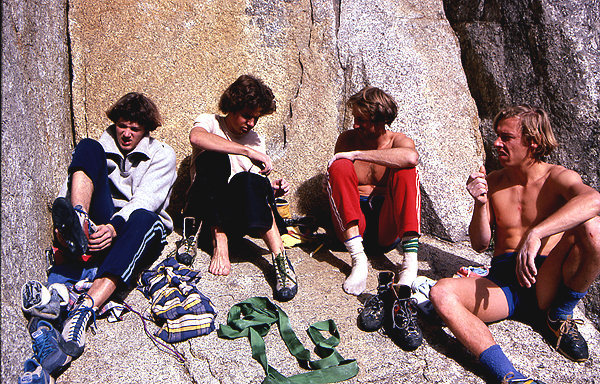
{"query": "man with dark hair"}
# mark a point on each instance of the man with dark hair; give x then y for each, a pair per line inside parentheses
(373, 188)
(546, 245)
(230, 192)
(112, 218)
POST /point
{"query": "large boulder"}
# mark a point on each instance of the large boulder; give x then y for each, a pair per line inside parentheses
(544, 54)
(36, 144)
(313, 54)
(540, 53)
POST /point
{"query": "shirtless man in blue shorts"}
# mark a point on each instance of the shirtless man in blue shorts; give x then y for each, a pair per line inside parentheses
(547, 245)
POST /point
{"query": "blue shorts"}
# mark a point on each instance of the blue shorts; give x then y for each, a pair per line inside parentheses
(503, 273)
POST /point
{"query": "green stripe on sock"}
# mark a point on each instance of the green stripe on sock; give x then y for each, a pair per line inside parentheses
(410, 245)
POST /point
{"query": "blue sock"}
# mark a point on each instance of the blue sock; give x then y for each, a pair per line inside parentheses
(564, 303)
(498, 364)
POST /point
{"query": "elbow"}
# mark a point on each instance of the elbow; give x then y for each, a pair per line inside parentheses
(479, 247)
(413, 159)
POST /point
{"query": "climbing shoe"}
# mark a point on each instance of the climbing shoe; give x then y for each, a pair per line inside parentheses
(34, 373)
(47, 346)
(566, 338)
(509, 380)
(286, 285)
(187, 247)
(401, 320)
(73, 228)
(75, 326)
(372, 316)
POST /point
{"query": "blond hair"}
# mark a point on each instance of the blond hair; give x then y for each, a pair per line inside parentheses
(535, 127)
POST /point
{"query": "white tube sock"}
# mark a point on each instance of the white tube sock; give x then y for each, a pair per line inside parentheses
(356, 283)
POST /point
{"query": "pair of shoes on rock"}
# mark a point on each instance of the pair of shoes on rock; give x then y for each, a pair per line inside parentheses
(46, 303)
(566, 338)
(508, 379)
(187, 247)
(34, 373)
(394, 309)
(48, 348)
(286, 284)
(73, 228)
(75, 326)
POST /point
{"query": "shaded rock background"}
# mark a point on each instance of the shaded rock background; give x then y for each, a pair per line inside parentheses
(313, 54)
(36, 143)
(544, 53)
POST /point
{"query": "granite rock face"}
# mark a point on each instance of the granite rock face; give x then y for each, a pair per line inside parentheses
(36, 143)
(541, 53)
(209, 359)
(314, 54)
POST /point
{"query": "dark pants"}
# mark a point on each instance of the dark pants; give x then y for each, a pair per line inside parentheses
(139, 242)
(244, 205)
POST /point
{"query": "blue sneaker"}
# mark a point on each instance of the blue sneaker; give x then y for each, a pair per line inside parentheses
(47, 346)
(34, 374)
(75, 326)
(508, 379)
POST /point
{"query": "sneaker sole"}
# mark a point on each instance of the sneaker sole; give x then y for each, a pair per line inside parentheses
(66, 222)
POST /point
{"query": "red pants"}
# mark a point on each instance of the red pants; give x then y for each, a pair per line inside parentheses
(400, 211)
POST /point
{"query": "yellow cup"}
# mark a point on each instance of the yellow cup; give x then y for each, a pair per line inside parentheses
(283, 207)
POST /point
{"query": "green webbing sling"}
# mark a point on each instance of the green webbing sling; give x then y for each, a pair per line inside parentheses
(253, 318)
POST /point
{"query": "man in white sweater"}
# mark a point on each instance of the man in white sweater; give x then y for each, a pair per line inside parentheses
(112, 220)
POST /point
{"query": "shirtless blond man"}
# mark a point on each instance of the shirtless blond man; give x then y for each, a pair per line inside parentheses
(547, 245)
(373, 187)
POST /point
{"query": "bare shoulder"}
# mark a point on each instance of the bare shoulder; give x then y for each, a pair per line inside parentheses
(400, 140)
(346, 141)
(495, 178)
(566, 182)
(560, 174)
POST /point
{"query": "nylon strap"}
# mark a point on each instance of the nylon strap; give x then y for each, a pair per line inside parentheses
(253, 318)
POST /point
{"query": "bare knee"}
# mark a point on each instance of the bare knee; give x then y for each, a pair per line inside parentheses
(441, 294)
(592, 233)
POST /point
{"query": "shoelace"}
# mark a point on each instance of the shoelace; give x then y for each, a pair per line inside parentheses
(79, 320)
(86, 218)
(283, 268)
(408, 320)
(569, 327)
(43, 345)
(189, 244)
(163, 347)
(375, 305)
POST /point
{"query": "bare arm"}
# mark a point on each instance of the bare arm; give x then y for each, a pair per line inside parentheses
(582, 204)
(480, 231)
(402, 154)
(202, 139)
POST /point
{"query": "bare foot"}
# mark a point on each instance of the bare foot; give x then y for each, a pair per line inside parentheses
(220, 264)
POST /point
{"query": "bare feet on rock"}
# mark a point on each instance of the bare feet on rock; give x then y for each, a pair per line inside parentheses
(220, 264)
